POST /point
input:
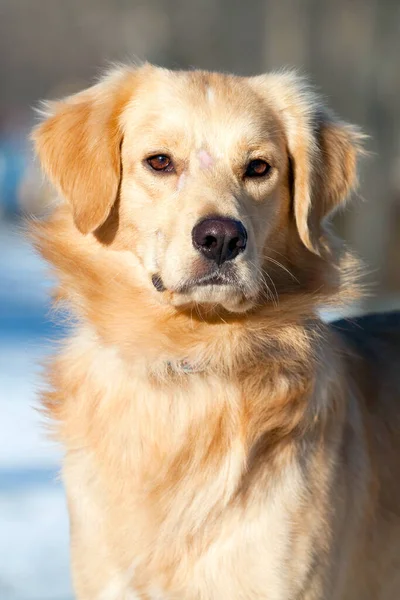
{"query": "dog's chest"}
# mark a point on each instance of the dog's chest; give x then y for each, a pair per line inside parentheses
(159, 485)
(237, 547)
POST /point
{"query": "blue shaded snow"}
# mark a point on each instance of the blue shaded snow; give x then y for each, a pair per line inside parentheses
(33, 515)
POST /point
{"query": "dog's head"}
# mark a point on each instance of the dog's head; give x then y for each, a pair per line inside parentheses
(213, 184)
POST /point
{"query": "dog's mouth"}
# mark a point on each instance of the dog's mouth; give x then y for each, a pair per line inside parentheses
(221, 277)
(223, 286)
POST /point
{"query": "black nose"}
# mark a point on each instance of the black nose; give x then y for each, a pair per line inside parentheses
(219, 238)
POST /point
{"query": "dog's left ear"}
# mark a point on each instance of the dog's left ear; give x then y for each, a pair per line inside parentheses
(78, 145)
(322, 150)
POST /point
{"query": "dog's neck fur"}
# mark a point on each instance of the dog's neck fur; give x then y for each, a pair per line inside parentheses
(280, 399)
(272, 345)
(193, 441)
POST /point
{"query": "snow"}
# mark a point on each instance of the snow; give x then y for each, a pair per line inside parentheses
(33, 516)
(33, 542)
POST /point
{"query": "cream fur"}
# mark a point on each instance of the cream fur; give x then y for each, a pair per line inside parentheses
(258, 472)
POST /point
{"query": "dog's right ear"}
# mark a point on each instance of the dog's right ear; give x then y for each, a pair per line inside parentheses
(78, 145)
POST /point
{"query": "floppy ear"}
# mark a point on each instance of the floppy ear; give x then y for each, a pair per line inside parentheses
(79, 148)
(323, 153)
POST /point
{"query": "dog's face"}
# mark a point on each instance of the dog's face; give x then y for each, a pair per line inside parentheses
(206, 179)
(202, 185)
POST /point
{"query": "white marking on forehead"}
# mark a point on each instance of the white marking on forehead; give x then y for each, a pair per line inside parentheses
(210, 94)
(181, 181)
(205, 159)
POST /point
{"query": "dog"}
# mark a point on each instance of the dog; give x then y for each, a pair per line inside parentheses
(221, 441)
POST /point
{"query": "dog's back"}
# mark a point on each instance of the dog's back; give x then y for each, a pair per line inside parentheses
(370, 332)
(372, 348)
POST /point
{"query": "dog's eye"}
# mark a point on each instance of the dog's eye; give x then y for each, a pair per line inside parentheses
(161, 162)
(257, 168)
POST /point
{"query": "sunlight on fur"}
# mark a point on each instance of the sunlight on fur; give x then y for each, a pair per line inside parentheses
(217, 446)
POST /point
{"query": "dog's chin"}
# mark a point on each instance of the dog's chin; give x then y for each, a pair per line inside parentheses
(226, 296)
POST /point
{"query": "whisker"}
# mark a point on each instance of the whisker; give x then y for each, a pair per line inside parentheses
(279, 264)
(263, 274)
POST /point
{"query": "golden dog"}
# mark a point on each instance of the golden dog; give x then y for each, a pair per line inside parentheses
(222, 442)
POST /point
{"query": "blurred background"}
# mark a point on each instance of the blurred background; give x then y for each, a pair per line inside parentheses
(49, 48)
